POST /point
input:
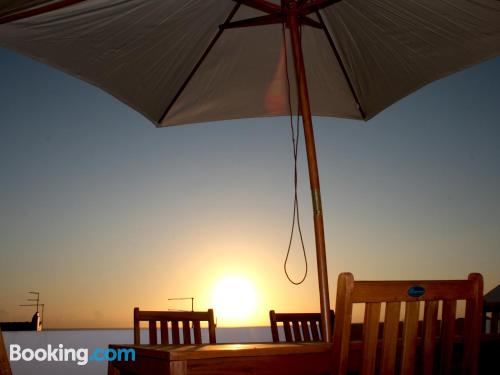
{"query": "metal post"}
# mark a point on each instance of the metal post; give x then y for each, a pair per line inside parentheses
(319, 232)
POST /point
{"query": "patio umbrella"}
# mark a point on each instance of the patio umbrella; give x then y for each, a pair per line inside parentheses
(187, 61)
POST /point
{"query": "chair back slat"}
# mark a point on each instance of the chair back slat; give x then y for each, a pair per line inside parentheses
(288, 332)
(297, 327)
(370, 337)
(447, 336)
(197, 332)
(274, 326)
(173, 318)
(296, 331)
(186, 332)
(343, 320)
(472, 329)
(211, 327)
(164, 332)
(411, 346)
(175, 332)
(305, 330)
(410, 330)
(429, 335)
(4, 360)
(137, 331)
(390, 338)
(315, 331)
(152, 332)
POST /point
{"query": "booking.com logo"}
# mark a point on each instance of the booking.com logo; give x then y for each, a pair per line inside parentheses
(61, 354)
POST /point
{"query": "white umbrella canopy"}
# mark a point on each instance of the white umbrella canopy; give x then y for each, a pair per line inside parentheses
(143, 52)
(188, 61)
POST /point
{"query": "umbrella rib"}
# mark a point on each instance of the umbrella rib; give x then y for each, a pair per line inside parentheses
(304, 20)
(37, 11)
(262, 5)
(308, 8)
(200, 61)
(339, 60)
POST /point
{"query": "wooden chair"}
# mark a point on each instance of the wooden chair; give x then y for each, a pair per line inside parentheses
(4, 360)
(305, 327)
(491, 317)
(172, 319)
(400, 356)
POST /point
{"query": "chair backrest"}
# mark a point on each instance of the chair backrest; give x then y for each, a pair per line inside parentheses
(298, 327)
(173, 320)
(400, 356)
(4, 360)
(491, 318)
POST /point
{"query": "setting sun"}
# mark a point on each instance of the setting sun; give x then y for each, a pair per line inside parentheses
(234, 299)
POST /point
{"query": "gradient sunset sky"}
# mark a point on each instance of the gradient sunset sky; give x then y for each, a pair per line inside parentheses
(101, 211)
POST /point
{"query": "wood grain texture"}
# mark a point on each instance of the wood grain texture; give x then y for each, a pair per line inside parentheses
(230, 359)
(178, 368)
(472, 332)
(416, 349)
(343, 319)
(390, 338)
(429, 335)
(312, 163)
(370, 338)
(292, 364)
(408, 356)
(393, 291)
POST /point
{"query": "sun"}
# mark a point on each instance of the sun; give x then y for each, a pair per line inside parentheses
(234, 299)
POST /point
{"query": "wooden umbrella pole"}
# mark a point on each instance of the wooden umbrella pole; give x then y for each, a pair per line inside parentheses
(312, 162)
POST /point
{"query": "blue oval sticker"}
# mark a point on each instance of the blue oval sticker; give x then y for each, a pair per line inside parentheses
(416, 291)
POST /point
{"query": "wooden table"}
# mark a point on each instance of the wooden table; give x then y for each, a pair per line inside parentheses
(227, 359)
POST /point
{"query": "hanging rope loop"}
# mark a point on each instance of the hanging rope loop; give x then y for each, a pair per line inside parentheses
(295, 144)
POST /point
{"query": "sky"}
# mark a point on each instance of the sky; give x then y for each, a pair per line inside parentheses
(101, 211)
